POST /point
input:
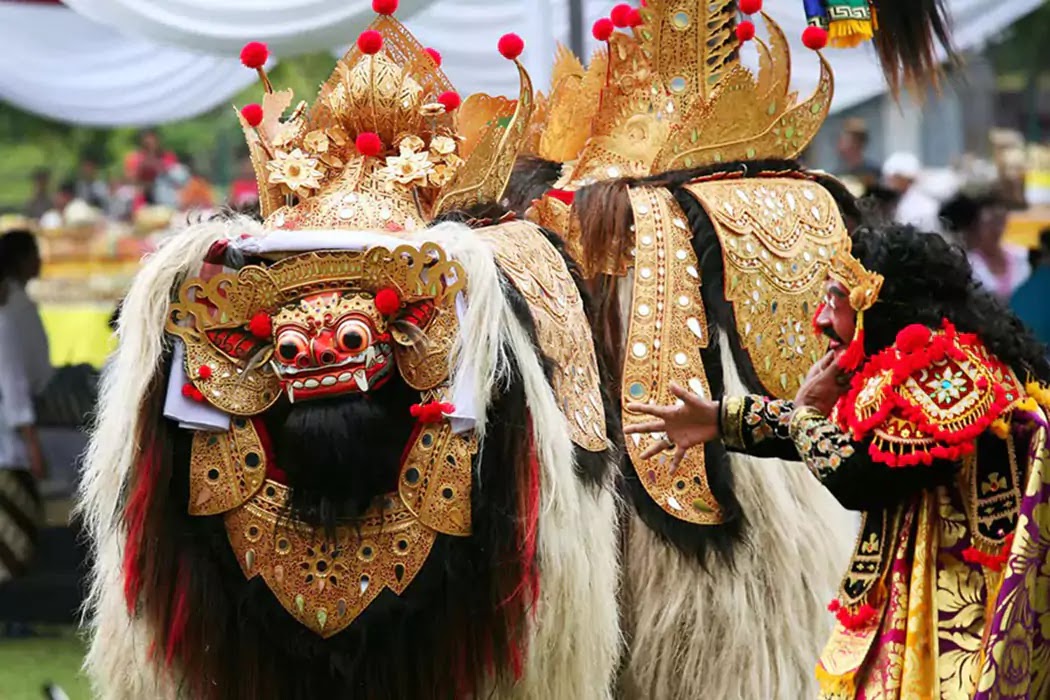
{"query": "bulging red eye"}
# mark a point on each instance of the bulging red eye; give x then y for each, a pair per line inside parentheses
(354, 336)
(291, 344)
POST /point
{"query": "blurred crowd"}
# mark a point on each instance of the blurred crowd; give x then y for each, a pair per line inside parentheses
(152, 182)
(969, 203)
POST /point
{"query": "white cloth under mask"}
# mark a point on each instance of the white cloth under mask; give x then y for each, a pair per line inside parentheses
(203, 416)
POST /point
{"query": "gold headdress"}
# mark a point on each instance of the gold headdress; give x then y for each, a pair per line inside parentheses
(388, 144)
(864, 286)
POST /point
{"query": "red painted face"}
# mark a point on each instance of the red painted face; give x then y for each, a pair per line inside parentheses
(330, 344)
(836, 319)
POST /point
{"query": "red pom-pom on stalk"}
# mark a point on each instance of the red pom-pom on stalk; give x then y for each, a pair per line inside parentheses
(815, 38)
(255, 54)
(253, 114)
(435, 56)
(204, 372)
(370, 42)
(745, 31)
(749, 7)
(621, 15)
(635, 20)
(384, 7)
(450, 100)
(388, 301)
(261, 325)
(603, 29)
(511, 46)
(369, 144)
(913, 338)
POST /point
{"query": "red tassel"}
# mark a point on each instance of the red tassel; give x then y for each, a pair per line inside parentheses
(854, 621)
(854, 355)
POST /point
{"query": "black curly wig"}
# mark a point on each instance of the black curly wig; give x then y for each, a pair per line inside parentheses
(927, 280)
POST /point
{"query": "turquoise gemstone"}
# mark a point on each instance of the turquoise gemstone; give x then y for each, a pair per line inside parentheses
(945, 384)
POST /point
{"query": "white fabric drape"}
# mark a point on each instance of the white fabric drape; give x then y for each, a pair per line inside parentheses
(64, 66)
(223, 26)
(113, 72)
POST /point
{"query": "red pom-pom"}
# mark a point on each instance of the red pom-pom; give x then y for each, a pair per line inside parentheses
(834, 605)
(370, 42)
(603, 29)
(621, 15)
(749, 7)
(384, 7)
(432, 412)
(253, 114)
(261, 326)
(815, 38)
(192, 393)
(388, 301)
(511, 46)
(635, 20)
(255, 54)
(745, 31)
(450, 100)
(369, 144)
(913, 338)
(204, 372)
(433, 53)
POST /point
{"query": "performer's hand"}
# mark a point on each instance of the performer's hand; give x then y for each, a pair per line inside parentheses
(823, 386)
(686, 424)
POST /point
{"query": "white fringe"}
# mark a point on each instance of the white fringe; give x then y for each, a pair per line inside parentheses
(575, 643)
(116, 659)
(755, 632)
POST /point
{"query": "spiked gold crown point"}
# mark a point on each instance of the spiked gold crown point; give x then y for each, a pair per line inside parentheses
(425, 152)
(863, 285)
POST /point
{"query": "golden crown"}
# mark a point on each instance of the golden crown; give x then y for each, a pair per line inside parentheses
(675, 95)
(863, 284)
(388, 144)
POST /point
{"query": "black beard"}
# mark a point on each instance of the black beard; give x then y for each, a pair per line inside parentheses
(342, 453)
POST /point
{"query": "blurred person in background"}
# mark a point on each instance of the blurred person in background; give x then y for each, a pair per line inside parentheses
(91, 186)
(902, 173)
(55, 216)
(25, 370)
(852, 149)
(197, 194)
(1031, 301)
(40, 203)
(979, 222)
(150, 162)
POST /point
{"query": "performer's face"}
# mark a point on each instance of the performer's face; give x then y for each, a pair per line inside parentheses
(836, 318)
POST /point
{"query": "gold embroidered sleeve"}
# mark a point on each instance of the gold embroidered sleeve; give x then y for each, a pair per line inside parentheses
(757, 425)
(821, 444)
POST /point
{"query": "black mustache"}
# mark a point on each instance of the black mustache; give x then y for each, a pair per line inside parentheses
(830, 333)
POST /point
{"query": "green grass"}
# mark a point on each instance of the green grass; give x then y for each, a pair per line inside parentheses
(26, 665)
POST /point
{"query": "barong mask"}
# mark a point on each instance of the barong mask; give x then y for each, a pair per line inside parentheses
(339, 307)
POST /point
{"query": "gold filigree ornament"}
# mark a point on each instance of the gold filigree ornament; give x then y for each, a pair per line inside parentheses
(778, 237)
(541, 276)
(386, 145)
(668, 329)
(863, 285)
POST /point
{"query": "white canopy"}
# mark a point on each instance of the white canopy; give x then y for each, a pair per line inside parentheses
(100, 68)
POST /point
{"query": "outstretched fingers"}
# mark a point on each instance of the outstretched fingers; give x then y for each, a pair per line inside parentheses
(686, 395)
(651, 409)
(656, 426)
